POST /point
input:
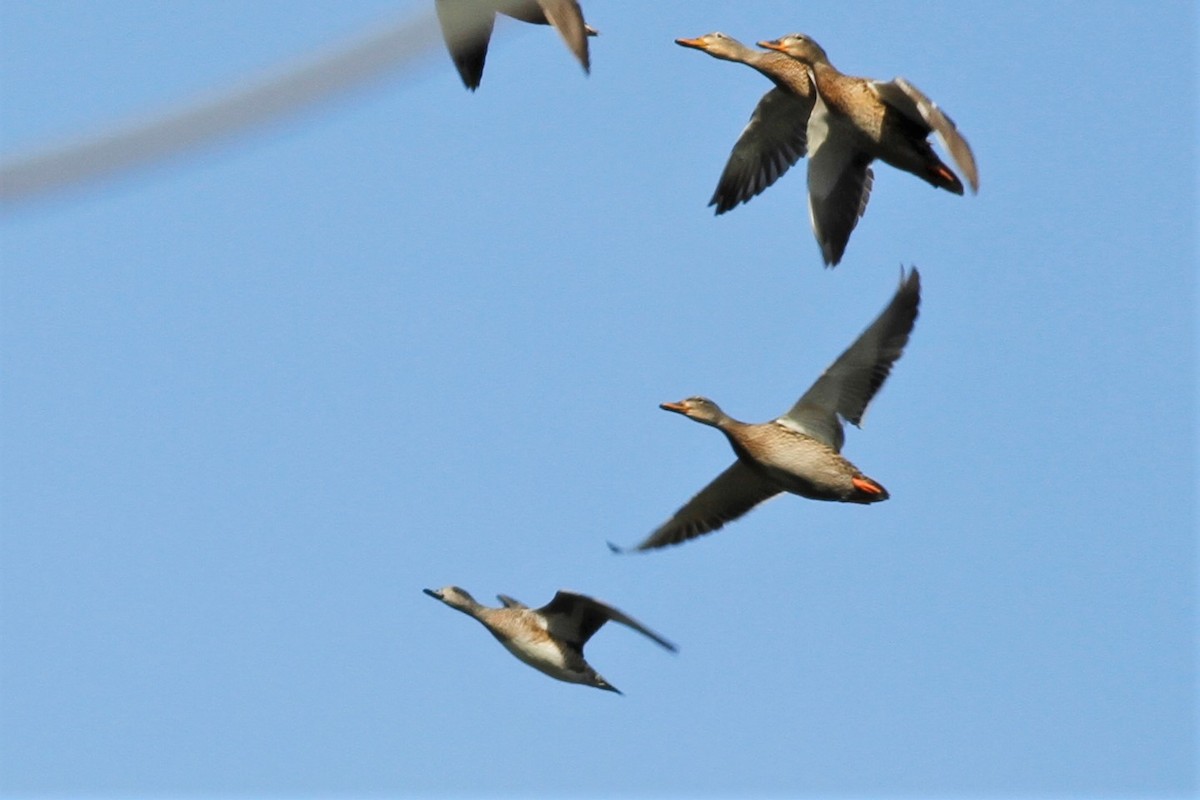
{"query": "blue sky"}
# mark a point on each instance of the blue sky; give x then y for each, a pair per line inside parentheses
(257, 397)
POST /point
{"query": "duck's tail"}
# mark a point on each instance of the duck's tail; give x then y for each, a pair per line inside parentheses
(867, 490)
(942, 176)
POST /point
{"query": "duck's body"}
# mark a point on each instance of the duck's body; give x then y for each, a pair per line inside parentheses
(467, 29)
(775, 137)
(551, 638)
(552, 658)
(860, 110)
(799, 452)
(857, 120)
(798, 463)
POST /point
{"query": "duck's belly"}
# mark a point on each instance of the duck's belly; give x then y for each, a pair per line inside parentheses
(545, 656)
(819, 474)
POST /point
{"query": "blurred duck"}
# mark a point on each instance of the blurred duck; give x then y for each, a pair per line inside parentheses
(467, 29)
(799, 452)
(551, 638)
(855, 121)
(775, 137)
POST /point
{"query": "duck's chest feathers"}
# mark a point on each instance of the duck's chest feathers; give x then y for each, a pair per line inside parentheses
(850, 103)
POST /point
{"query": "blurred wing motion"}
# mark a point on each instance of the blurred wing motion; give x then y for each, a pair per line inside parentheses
(261, 99)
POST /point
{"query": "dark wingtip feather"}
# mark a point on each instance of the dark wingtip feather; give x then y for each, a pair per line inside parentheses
(721, 202)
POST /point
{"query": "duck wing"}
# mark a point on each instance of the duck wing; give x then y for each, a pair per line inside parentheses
(509, 602)
(730, 495)
(839, 186)
(567, 18)
(575, 617)
(916, 106)
(839, 182)
(845, 389)
(466, 29)
(773, 140)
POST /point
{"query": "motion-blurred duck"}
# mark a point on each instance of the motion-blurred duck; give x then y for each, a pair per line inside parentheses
(551, 638)
(799, 452)
(467, 29)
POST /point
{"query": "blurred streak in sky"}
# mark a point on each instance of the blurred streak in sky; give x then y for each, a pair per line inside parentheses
(254, 101)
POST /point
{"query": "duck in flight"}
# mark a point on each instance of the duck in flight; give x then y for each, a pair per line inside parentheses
(467, 29)
(855, 121)
(551, 638)
(799, 452)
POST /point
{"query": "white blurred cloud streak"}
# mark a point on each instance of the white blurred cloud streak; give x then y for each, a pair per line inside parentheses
(257, 100)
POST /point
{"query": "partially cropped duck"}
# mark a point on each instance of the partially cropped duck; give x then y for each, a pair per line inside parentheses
(855, 121)
(467, 29)
(551, 638)
(799, 452)
(775, 137)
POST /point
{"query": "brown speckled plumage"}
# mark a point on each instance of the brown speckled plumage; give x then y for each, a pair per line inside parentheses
(855, 121)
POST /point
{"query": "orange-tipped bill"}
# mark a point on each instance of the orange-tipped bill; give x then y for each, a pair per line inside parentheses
(679, 408)
(772, 45)
(696, 43)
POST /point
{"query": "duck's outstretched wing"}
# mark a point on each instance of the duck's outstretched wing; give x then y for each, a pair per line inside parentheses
(730, 495)
(845, 389)
(567, 18)
(575, 617)
(467, 29)
(839, 186)
(773, 140)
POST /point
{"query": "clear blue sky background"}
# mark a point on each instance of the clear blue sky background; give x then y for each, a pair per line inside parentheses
(256, 398)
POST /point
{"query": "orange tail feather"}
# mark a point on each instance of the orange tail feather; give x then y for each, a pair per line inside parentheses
(941, 177)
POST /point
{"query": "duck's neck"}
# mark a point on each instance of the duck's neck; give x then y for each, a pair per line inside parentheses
(824, 71)
(724, 423)
(784, 71)
(470, 606)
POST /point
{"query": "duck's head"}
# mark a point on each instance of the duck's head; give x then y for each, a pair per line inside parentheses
(700, 409)
(453, 597)
(717, 45)
(799, 47)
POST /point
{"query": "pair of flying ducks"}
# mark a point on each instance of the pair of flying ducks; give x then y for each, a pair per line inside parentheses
(799, 452)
